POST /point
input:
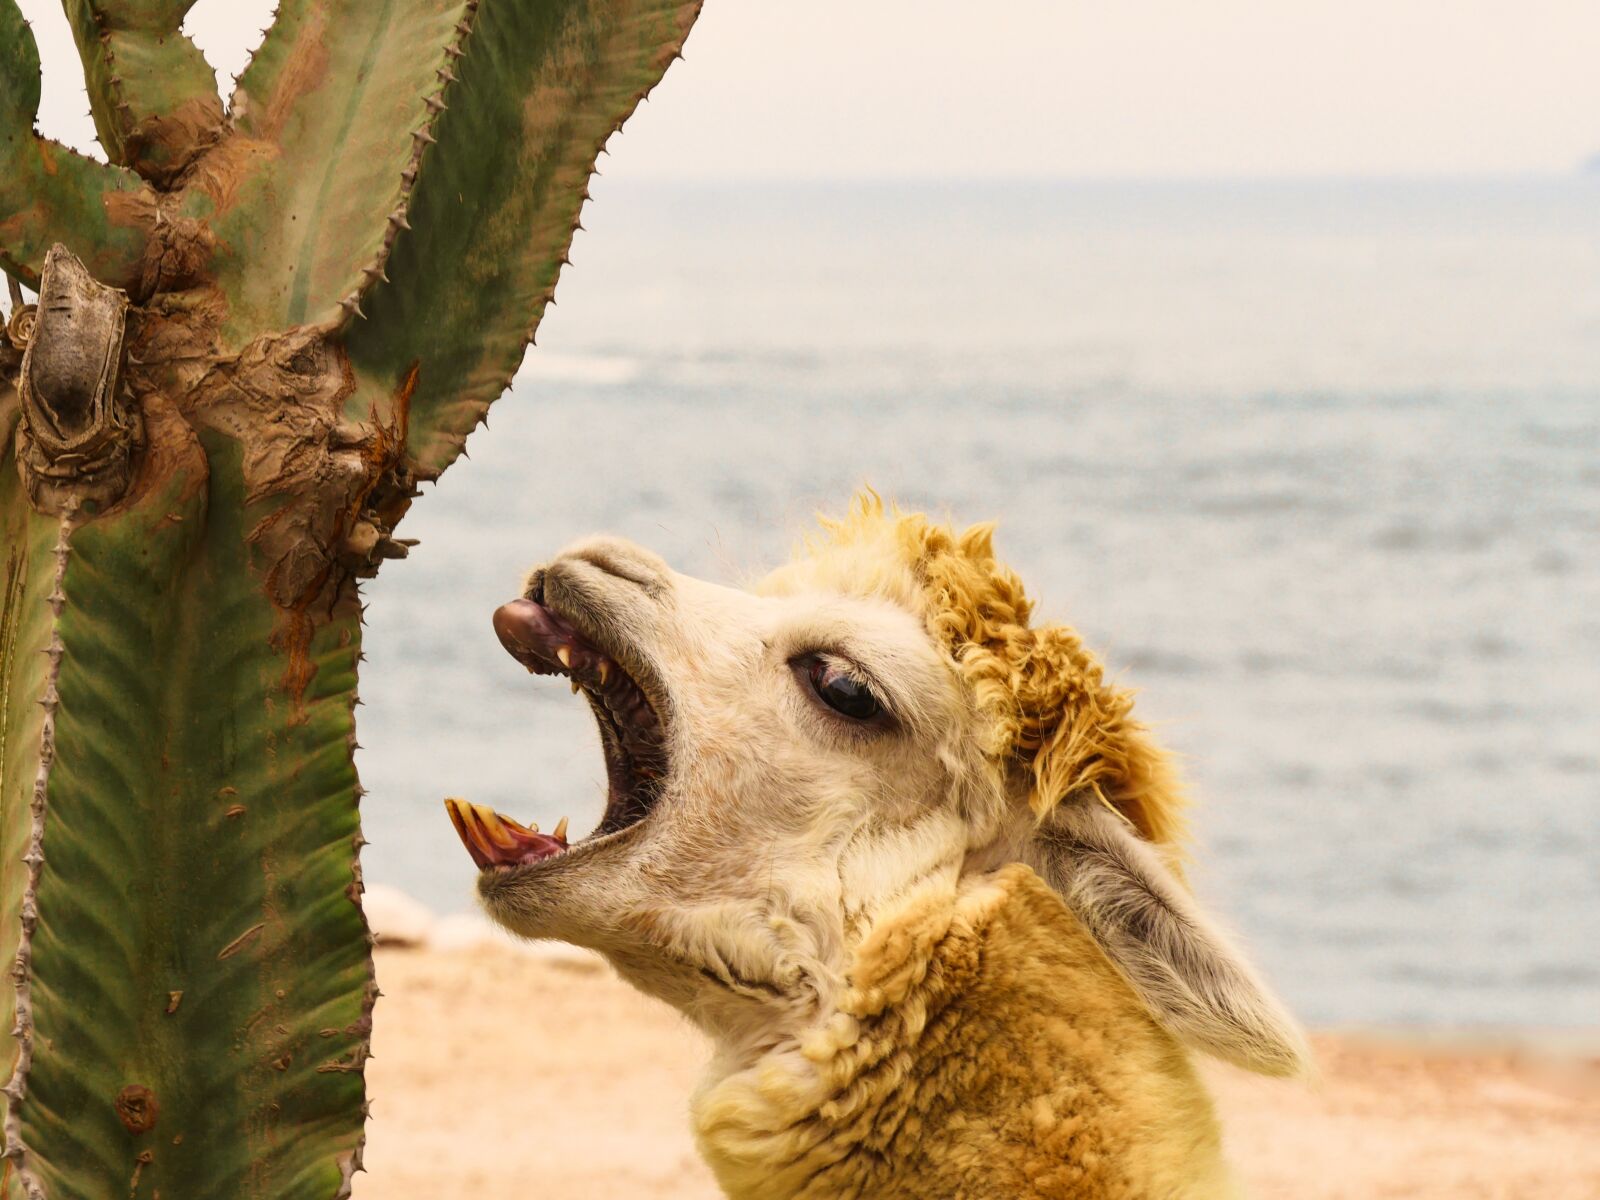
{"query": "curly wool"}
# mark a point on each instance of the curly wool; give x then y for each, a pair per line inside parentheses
(1048, 705)
(984, 1050)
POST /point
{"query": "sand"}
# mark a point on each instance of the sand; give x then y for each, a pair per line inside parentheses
(501, 1074)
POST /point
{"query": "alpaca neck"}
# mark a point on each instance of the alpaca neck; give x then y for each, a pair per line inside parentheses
(983, 1048)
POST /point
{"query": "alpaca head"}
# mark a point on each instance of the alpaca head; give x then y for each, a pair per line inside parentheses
(786, 762)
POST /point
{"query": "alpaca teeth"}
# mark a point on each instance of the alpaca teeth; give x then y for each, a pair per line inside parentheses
(574, 687)
(564, 653)
(560, 831)
(605, 672)
(494, 827)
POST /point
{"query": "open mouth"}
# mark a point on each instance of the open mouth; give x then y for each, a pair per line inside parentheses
(631, 736)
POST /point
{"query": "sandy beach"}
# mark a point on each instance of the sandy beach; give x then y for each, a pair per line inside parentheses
(501, 1072)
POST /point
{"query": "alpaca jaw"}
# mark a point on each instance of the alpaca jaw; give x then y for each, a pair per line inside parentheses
(574, 621)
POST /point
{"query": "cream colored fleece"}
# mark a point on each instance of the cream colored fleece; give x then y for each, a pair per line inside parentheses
(985, 1049)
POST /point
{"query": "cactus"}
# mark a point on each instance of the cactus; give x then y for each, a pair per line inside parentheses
(259, 328)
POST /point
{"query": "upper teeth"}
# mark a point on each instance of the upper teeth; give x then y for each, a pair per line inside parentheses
(564, 653)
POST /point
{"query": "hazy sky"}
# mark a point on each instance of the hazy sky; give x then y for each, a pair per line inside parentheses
(1067, 87)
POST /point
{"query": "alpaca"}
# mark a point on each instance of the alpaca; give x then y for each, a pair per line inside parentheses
(905, 856)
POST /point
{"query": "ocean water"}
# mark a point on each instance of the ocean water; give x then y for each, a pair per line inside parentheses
(1315, 466)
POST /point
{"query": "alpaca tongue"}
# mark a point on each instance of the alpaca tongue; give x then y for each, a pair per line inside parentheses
(533, 635)
(498, 841)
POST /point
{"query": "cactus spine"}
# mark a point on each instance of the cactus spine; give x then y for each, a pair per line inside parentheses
(260, 327)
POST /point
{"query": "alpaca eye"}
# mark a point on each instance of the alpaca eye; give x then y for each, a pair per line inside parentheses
(846, 696)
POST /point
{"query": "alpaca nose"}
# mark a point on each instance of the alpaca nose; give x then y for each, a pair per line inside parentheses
(625, 560)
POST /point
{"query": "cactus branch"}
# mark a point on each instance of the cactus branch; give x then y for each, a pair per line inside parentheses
(152, 94)
(50, 194)
(545, 85)
(324, 120)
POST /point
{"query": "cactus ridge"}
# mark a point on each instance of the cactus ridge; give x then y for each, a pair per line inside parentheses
(22, 1030)
(373, 271)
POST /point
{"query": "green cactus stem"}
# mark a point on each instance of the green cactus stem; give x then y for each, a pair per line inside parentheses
(258, 330)
(51, 194)
(152, 94)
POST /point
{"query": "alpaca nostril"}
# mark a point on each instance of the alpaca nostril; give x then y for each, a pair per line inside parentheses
(624, 560)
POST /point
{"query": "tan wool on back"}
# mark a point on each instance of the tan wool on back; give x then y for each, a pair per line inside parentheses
(985, 1049)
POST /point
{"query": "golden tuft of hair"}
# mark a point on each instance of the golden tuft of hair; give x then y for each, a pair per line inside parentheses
(1047, 702)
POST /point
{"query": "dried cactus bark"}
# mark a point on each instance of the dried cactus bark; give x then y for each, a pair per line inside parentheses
(321, 289)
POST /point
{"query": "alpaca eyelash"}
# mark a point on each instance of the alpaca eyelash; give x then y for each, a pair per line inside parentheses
(833, 658)
(876, 715)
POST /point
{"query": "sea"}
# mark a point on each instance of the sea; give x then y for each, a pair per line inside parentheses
(1315, 465)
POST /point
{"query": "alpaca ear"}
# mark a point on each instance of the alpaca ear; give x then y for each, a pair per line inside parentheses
(1193, 980)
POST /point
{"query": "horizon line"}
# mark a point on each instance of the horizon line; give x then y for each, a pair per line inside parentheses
(1579, 173)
